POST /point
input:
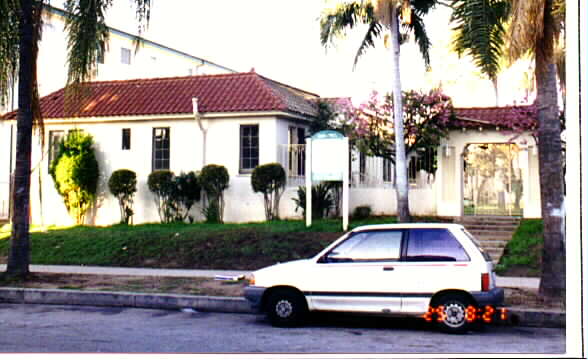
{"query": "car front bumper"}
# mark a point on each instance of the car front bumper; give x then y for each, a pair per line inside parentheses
(254, 294)
(494, 297)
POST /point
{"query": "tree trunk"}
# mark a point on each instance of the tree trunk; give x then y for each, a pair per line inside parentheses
(398, 118)
(553, 276)
(18, 256)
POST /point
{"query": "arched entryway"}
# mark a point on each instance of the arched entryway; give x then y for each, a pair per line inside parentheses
(493, 180)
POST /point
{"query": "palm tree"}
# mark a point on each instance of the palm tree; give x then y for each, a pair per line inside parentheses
(379, 14)
(20, 32)
(534, 27)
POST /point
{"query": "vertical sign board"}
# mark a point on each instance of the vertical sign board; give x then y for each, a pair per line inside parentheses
(327, 157)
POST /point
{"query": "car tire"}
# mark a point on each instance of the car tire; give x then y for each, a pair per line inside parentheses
(286, 308)
(454, 313)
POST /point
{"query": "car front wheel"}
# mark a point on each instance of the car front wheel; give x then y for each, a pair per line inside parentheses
(286, 308)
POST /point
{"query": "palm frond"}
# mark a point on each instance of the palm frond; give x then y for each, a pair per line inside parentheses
(86, 30)
(373, 32)
(417, 27)
(9, 45)
(480, 31)
(345, 16)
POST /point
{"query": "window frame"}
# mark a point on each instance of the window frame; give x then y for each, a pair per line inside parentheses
(123, 59)
(100, 58)
(155, 150)
(242, 168)
(126, 139)
(52, 147)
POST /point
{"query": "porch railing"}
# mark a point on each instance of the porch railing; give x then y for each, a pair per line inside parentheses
(365, 171)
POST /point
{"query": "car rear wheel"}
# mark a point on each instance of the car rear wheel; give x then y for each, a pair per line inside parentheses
(453, 309)
(286, 308)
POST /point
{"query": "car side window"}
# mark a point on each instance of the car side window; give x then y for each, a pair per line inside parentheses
(434, 245)
(368, 246)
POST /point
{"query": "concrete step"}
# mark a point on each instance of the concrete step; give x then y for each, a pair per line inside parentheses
(487, 220)
(486, 227)
(492, 235)
(492, 247)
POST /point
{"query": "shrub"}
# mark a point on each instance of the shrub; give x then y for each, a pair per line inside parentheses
(322, 200)
(123, 185)
(75, 174)
(214, 179)
(270, 180)
(174, 195)
(160, 183)
(362, 212)
(186, 192)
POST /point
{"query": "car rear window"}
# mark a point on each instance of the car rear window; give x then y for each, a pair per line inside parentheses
(434, 245)
(477, 243)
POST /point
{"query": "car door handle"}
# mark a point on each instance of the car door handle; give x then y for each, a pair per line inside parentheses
(388, 268)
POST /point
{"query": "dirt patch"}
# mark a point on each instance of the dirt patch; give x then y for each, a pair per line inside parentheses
(143, 284)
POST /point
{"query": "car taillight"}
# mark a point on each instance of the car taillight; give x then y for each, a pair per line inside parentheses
(250, 279)
(485, 282)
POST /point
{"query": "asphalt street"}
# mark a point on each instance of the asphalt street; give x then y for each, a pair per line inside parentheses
(86, 329)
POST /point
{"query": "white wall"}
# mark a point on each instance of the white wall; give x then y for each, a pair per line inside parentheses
(185, 155)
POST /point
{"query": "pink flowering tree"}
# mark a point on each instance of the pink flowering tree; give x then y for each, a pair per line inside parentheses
(371, 130)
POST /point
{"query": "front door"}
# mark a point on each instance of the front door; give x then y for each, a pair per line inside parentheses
(493, 180)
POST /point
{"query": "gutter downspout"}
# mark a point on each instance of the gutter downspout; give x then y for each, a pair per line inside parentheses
(202, 126)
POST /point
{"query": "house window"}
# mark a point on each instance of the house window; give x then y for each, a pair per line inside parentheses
(126, 139)
(160, 156)
(249, 146)
(125, 56)
(296, 156)
(387, 170)
(101, 51)
(55, 137)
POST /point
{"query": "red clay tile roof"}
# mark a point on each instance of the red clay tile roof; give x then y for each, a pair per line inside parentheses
(241, 92)
(508, 117)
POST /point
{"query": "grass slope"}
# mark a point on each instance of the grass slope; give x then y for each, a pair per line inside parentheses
(203, 246)
(522, 255)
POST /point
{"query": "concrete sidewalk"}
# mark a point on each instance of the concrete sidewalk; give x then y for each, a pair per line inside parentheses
(520, 316)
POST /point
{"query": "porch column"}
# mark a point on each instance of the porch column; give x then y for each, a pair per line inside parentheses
(449, 178)
(531, 189)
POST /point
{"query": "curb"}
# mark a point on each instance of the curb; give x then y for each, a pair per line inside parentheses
(226, 304)
(124, 299)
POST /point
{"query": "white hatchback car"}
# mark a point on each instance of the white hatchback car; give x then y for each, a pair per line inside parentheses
(435, 271)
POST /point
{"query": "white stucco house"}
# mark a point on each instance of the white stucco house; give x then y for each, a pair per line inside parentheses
(242, 120)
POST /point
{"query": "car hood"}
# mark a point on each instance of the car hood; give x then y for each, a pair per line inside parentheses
(282, 272)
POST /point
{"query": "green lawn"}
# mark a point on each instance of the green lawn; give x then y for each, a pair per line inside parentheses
(205, 246)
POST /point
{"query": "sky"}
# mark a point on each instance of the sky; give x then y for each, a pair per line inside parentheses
(280, 40)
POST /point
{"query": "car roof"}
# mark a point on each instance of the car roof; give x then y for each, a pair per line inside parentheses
(408, 226)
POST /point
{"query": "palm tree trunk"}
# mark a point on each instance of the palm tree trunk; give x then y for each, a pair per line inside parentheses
(553, 276)
(397, 117)
(18, 256)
